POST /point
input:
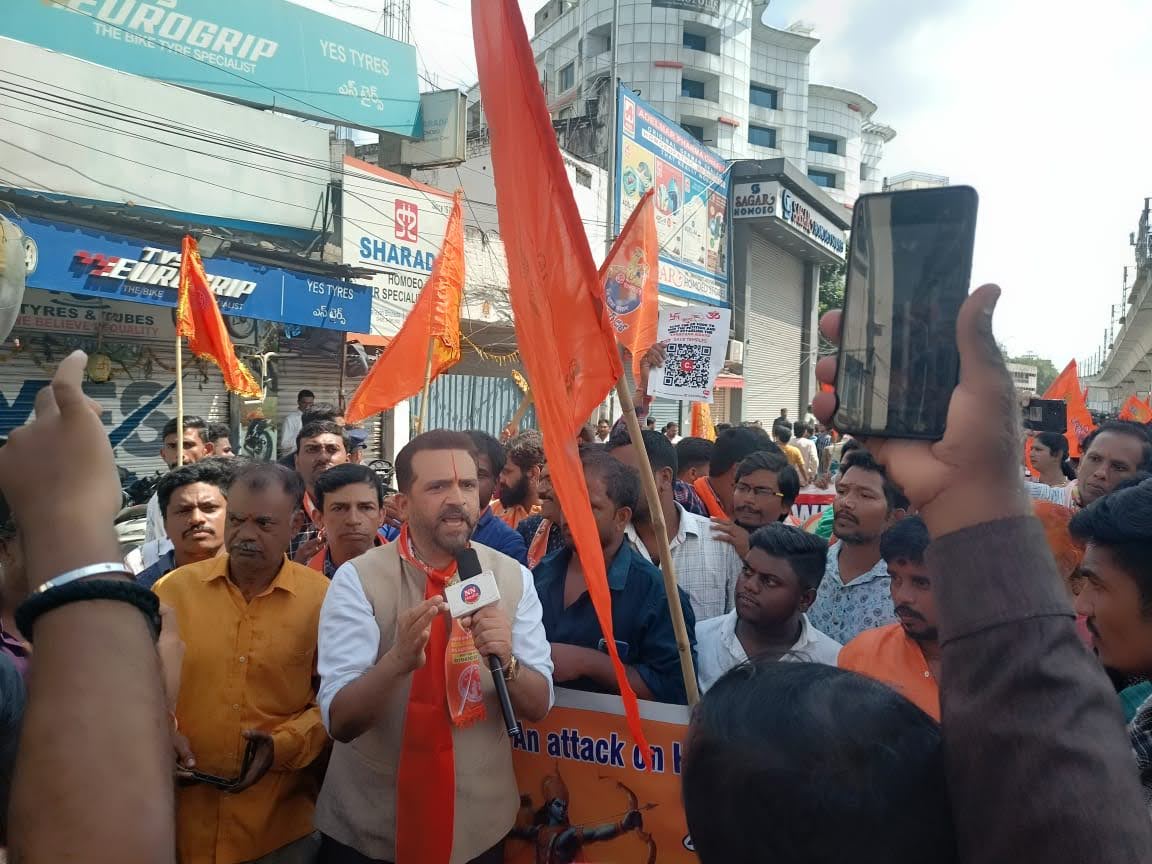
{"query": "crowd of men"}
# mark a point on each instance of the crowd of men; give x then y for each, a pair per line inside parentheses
(324, 707)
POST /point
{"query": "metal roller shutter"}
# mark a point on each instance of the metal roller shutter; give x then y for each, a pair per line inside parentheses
(464, 402)
(321, 375)
(773, 322)
(720, 412)
(136, 402)
(665, 411)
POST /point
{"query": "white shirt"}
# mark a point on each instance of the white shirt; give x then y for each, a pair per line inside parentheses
(706, 568)
(349, 639)
(718, 649)
(807, 448)
(154, 528)
(289, 430)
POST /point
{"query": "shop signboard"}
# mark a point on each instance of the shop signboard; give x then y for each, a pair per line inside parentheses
(268, 53)
(70, 259)
(395, 226)
(703, 7)
(755, 200)
(804, 218)
(691, 185)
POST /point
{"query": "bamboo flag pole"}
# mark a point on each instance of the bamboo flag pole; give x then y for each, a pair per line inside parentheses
(513, 425)
(426, 393)
(179, 400)
(648, 481)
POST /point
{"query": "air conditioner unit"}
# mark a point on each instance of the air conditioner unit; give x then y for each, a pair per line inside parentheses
(735, 351)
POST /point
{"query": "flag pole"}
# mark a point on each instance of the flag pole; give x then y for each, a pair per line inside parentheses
(426, 393)
(179, 399)
(648, 481)
(513, 425)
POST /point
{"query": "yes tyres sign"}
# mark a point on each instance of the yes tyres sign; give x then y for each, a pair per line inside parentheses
(268, 53)
(66, 258)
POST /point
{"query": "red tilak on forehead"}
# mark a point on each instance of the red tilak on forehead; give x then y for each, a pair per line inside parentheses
(455, 473)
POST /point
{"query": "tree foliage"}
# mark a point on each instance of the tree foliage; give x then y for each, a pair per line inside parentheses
(831, 287)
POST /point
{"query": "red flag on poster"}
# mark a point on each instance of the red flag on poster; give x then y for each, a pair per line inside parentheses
(1080, 425)
(565, 338)
(435, 320)
(631, 279)
(198, 319)
(1137, 410)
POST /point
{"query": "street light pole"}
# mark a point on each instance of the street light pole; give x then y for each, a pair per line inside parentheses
(610, 209)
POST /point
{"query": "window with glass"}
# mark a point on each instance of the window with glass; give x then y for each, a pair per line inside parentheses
(568, 77)
(695, 41)
(696, 132)
(827, 179)
(823, 144)
(764, 97)
(762, 136)
(692, 89)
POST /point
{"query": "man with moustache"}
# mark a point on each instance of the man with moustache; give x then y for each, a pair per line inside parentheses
(192, 501)
(491, 531)
(519, 487)
(249, 620)
(1115, 452)
(319, 446)
(904, 655)
(422, 767)
(855, 595)
(765, 490)
(350, 501)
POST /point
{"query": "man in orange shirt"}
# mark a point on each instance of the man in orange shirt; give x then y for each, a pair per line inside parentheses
(518, 491)
(249, 621)
(905, 655)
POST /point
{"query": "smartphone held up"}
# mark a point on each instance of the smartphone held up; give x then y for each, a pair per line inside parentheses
(908, 272)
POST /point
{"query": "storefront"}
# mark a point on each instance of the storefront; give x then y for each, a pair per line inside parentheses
(114, 297)
(784, 230)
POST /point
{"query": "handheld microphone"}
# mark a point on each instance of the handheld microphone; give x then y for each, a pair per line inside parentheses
(475, 590)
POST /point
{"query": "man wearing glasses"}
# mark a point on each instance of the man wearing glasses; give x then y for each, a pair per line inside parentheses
(765, 489)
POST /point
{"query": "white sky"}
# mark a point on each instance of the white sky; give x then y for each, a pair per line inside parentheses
(1043, 108)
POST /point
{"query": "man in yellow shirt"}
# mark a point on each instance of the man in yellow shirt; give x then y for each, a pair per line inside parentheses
(249, 621)
(783, 436)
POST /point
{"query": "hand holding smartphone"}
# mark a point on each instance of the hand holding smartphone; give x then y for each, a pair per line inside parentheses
(909, 266)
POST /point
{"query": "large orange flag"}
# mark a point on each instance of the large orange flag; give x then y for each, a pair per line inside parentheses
(562, 327)
(631, 278)
(1137, 410)
(435, 319)
(198, 319)
(1067, 387)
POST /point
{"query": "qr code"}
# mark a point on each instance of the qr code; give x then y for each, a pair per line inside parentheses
(688, 366)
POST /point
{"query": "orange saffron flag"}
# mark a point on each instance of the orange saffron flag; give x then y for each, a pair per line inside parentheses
(631, 278)
(1080, 425)
(434, 320)
(198, 319)
(1137, 410)
(702, 425)
(565, 338)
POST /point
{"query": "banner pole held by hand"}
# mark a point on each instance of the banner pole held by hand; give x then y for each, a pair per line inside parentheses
(424, 406)
(648, 481)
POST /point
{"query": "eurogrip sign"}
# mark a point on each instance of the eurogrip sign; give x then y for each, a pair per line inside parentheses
(65, 258)
(268, 53)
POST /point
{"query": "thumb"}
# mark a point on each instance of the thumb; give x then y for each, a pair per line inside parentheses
(981, 363)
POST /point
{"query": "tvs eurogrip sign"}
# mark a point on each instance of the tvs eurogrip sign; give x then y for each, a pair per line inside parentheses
(268, 53)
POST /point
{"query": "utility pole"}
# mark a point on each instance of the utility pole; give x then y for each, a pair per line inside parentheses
(610, 209)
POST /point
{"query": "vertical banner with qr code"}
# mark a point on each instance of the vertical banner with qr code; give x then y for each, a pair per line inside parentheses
(697, 342)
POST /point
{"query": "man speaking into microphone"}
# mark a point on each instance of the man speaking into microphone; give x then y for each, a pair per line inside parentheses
(422, 769)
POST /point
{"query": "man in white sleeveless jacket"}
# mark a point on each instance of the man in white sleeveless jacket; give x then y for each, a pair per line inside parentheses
(422, 767)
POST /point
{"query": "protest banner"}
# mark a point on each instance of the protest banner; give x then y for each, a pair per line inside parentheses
(578, 770)
(697, 339)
